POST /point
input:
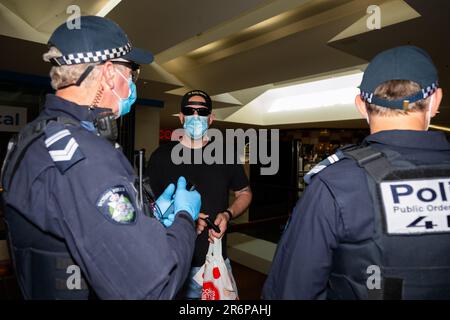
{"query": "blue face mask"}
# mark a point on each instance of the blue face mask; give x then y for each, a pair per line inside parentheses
(195, 126)
(125, 103)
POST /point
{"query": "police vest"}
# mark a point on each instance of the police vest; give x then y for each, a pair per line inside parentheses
(43, 265)
(408, 256)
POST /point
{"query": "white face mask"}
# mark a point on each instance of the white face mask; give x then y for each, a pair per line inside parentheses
(428, 115)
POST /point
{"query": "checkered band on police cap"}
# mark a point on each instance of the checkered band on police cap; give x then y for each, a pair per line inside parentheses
(91, 57)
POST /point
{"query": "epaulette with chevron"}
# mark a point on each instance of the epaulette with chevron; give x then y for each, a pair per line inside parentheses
(323, 164)
(62, 146)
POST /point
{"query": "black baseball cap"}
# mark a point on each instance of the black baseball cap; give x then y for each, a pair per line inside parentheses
(185, 100)
(96, 40)
(400, 63)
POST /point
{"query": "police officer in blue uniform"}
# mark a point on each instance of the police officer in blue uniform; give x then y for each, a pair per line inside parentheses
(77, 227)
(374, 221)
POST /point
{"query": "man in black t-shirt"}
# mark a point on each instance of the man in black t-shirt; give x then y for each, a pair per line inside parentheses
(213, 181)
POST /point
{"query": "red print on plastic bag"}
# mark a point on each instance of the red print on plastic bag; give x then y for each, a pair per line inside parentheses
(210, 292)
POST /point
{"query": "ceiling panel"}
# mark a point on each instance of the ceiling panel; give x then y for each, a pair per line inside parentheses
(158, 24)
(427, 32)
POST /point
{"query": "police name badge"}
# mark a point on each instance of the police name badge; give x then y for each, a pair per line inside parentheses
(116, 206)
(416, 206)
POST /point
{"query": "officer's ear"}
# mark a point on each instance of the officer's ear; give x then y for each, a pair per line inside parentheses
(108, 74)
(437, 102)
(361, 106)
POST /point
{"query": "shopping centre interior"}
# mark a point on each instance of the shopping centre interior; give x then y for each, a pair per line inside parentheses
(292, 65)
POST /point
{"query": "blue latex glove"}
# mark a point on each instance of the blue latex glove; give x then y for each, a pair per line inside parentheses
(163, 203)
(184, 200)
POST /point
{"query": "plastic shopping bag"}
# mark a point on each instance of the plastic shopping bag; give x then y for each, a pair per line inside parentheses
(218, 283)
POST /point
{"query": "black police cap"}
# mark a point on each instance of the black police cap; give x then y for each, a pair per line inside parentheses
(400, 63)
(96, 40)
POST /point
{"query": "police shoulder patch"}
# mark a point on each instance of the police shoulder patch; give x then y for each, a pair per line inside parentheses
(62, 146)
(116, 206)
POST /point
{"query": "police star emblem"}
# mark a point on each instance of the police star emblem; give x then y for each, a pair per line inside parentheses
(115, 204)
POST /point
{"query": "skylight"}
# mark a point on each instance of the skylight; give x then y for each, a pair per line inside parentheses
(335, 91)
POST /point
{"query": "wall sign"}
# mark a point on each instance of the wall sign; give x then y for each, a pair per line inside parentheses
(12, 119)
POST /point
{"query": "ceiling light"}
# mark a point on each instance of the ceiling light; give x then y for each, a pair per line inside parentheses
(107, 8)
(433, 126)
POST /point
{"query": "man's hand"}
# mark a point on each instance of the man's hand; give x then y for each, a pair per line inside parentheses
(201, 224)
(222, 222)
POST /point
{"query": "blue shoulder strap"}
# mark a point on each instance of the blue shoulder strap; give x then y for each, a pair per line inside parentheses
(323, 164)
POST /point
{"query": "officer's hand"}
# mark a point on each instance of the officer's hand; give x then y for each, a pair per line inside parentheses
(189, 201)
(164, 201)
(201, 224)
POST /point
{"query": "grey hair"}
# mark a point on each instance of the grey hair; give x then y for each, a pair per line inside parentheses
(69, 74)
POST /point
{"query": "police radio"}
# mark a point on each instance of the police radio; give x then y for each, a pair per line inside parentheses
(106, 126)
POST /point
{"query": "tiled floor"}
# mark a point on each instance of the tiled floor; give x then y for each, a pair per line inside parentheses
(9, 290)
(249, 282)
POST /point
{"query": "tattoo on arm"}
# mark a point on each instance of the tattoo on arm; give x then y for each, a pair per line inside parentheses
(246, 189)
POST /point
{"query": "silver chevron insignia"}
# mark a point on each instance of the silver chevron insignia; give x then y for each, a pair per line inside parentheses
(65, 154)
(56, 137)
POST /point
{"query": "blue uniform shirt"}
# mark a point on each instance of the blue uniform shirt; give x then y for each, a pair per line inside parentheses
(78, 187)
(337, 208)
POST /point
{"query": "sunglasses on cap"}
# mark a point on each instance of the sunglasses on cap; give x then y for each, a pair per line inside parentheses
(134, 67)
(189, 111)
